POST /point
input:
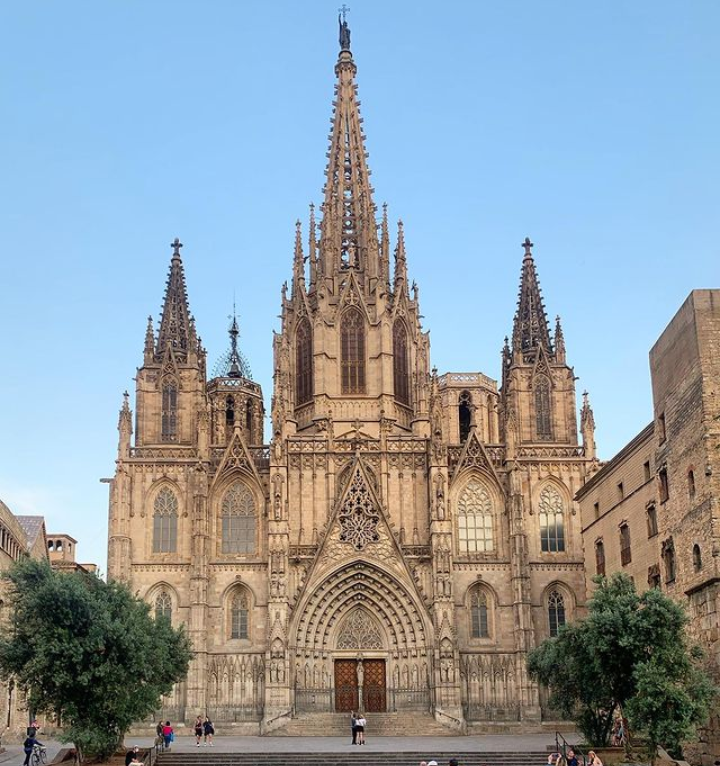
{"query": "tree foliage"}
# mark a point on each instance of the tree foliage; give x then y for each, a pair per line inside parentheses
(630, 653)
(89, 653)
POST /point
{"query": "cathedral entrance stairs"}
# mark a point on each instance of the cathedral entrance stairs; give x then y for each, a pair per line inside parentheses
(397, 724)
(357, 756)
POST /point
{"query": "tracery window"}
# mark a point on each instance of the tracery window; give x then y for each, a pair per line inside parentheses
(239, 614)
(165, 516)
(163, 606)
(479, 625)
(475, 518)
(556, 612)
(169, 413)
(401, 375)
(358, 515)
(352, 332)
(543, 421)
(552, 521)
(464, 415)
(303, 363)
(238, 520)
(360, 631)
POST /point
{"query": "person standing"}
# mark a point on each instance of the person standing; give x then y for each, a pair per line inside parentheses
(208, 730)
(353, 725)
(361, 722)
(28, 746)
(198, 730)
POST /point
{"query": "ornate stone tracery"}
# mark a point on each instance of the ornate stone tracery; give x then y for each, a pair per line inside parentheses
(359, 631)
(358, 515)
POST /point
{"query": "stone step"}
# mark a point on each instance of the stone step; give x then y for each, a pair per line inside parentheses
(359, 758)
(378, 725)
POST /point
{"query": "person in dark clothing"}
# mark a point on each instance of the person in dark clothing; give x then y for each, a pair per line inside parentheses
(131, 755)
(353, 725)
(28, 746)
(571, 758)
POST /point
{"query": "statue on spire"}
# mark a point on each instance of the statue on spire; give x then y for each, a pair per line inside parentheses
(344, 29)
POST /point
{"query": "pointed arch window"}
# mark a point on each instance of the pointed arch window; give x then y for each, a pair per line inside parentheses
(163, 606)
(697, 558)
(165, 517)
(352, 331)
(600, 558)
(475, 518)
(543, 420)
(239, 616)
(401, 373)
(556, 612)
(464, 415)
(479, 625)
(169, 412)
(303, 363)
(238, 520)
(552, 521)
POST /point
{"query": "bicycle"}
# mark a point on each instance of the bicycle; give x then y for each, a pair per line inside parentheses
(39, 755)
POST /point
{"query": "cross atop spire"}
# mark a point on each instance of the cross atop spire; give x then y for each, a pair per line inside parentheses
(232, 364)
(176, 244)
(175, 320)
(528, 245)
(344, 29)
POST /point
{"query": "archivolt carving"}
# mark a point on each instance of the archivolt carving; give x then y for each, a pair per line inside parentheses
(361, 585)
(359, 631)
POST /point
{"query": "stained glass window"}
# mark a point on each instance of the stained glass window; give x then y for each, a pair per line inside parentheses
(165, 518)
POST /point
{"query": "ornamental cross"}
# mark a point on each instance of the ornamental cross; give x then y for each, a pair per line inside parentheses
(527, 244)
(343, 11)
(176, 245)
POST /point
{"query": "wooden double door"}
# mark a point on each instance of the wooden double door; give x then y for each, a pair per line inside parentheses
(348, 691)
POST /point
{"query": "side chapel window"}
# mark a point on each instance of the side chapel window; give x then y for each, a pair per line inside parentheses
(169, 413)
(556, 612)
(475, 518)
(303, 363)
(238, 520)
(552, 521)
(479, 626)
(165, 517)
(163, 606)
(401, 377)
(352, 331)
(239, 616)
(543, 424)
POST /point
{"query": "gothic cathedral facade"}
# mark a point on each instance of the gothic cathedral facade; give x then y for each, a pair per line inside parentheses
(403, 539)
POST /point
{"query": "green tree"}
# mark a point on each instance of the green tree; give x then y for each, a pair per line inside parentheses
(89, 653)
(615, 656)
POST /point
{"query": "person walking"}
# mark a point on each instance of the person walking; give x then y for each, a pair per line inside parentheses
(28, 746)
(198, 730)
(168, 735)
(361, 723)
(208, 730)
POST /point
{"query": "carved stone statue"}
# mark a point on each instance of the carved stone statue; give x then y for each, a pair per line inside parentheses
(344, 35)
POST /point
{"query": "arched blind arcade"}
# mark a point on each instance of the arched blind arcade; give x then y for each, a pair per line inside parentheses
(401, 371)
(543, 415)
(303, 363)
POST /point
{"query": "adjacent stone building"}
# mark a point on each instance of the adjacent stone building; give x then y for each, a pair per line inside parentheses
(653, 510)
(402, 538)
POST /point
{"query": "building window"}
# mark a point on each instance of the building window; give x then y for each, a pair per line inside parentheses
(464, 415)
(352, 331)
(654, 576)
(556, 612)
(249, 420)
(697, 558)
(163, 606)
(668, 555)
(543, 422)
(691, 484)
(169, 413)
(479, 627)
(475, 519)
(552, 521)
(230, 411)
(303, 363)
(600, 558)
(238, 520)
(596, 510)
(621, 490)
(652, 527)
(239, 616)
(401, 376)
(165, 519)
(664, 489)
(661, 427)
(646, 470)
(625, 552)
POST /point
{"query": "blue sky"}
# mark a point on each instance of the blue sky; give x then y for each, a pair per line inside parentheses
(591, 128)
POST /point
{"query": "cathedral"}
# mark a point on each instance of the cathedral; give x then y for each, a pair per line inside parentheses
(402, 538)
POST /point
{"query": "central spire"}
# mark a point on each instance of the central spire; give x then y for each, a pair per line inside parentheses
(349, 229)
